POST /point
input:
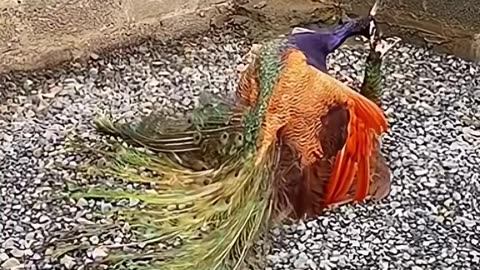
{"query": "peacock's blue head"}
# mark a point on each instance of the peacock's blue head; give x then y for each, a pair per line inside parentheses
(318, 42)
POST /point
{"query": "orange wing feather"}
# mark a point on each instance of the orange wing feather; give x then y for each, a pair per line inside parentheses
(302, 96)
(366, 122)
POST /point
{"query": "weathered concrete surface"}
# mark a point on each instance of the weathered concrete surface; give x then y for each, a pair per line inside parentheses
(42, 33)
(448, 26)
(37, 33)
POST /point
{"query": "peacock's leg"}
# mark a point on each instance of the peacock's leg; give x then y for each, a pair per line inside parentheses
(373, 76)
(248, 86)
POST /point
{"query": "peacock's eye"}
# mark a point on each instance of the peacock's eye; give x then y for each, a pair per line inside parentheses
(197, 137)
(239, 140)
(204, 146)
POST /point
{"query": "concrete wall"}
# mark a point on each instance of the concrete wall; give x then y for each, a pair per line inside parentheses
(42, 33)
(446, 25)
(38, 33)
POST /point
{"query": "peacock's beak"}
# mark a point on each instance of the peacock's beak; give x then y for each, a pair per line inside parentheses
(374, 9)
(372, 28)
(373, 23)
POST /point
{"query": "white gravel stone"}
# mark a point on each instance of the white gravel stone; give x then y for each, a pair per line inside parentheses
(99, 253)
(11, 264)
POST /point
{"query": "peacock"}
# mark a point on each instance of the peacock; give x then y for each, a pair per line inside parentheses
(321, 41)
(292, 142)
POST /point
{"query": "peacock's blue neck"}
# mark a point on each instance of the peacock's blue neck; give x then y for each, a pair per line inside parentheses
(317, 45)
(341, 33)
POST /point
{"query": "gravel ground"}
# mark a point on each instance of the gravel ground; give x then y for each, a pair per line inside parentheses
(431, 220)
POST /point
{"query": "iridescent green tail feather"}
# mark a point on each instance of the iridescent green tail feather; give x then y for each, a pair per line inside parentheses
(206, 204)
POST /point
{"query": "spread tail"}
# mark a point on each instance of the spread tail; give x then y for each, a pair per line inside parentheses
(204, 189)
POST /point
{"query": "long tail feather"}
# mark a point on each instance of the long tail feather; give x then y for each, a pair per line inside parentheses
(233, 200)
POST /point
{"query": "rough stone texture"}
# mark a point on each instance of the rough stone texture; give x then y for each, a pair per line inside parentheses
(39, 34)
(36, 34)
(447, 26)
